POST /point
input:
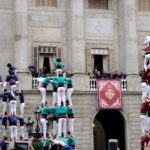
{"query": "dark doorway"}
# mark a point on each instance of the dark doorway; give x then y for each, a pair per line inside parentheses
(108, 124)
(98, 62)
(46, 64)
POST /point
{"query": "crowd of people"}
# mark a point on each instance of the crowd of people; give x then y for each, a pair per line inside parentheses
(106, 75)
(145, 105)
(61, 111)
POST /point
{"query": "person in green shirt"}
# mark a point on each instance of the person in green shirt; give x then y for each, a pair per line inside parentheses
(43, 87)
(58, 65)
(70, 119)
(61, 89)
(69, 89)
(55, 86)
(47, 143)
(71, 140)
(55, 120)
(45, 110)
(62, 115)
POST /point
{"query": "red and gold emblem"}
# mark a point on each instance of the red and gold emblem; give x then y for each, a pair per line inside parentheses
(109, 94)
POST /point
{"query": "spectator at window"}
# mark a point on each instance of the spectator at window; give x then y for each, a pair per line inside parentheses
(98, 75)
(45, 71)
(41, 73)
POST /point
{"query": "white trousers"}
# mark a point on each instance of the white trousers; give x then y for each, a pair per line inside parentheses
(70, 125)
(12, 89)
(4, 130)
(4, 107)
(62, 126)
(69, 95)
(13, 132)
(55, 128)
(12, 106)
(54, 98)
(148, 91)
(43, 94)
(143, 124)
(44, 126)
(22, 131)
(22, 109)
(144, 89)
(61, 95)
(146, 60)
(58, 71)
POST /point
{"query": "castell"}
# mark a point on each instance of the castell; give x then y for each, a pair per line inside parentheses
(145, 103)
(54, 119)
(74, 74)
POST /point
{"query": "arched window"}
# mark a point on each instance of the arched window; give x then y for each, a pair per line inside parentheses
(144, 5)
(50, 3)
(98, 4)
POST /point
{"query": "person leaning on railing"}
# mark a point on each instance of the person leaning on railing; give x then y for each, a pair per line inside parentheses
(107, 75)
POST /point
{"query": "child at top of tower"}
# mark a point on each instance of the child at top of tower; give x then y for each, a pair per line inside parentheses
(11, 68)
(58, 65)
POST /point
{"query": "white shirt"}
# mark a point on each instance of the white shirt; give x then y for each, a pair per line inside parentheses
(146, 61)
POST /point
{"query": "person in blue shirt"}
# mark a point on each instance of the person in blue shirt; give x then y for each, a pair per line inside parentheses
(12, 103)
(1, 83)
(12, 82)
(22, 122)
(4, 97)
(4, 123)
(13, 119)
(11, 68)
(58, 66)
(3, 143)
(22, 102)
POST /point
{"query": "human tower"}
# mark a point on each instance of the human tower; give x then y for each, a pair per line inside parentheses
(10, 94)
(62, 110)
(145, 105)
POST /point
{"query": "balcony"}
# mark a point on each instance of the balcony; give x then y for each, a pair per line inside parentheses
(94, 88)
(92, 83)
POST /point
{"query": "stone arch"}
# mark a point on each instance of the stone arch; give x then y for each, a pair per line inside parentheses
(109, 124)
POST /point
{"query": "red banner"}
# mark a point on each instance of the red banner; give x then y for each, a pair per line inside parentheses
(109, 94)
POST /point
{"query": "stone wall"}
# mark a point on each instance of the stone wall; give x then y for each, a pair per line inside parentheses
(6, 34)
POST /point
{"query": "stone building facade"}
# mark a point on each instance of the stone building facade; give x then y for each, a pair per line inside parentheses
(107, 34)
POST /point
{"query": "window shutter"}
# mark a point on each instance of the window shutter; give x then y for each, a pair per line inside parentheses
(58, 52)
(35, 57)
(88, 60)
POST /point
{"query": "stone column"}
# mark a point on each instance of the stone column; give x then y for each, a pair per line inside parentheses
(21, 51)
(77, 36)
(78, 44)
(130, 30)
(130, 45)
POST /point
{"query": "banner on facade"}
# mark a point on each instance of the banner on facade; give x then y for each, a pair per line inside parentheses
(109, 94)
